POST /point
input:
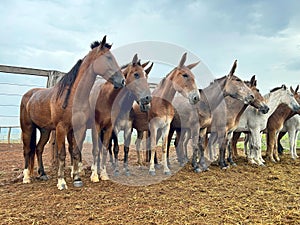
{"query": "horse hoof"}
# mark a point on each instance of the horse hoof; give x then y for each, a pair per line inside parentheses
(95, 179)
(78, 183)
(168, 173)
(197, 170)
(26, 180)
(152, 173)
(157, 166)
(116, 173)
(62, 187)
(224, 167)
(43, 178)
(233, 164)
(104, 177)
(262, 165)
(127, 173)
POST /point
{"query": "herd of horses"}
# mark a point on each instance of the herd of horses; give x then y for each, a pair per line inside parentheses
(213, 117)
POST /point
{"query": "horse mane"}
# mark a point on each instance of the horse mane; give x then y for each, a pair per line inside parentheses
(277, 88)
(67, 81)
(217, 80)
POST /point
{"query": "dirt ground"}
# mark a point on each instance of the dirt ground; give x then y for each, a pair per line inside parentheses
(244, 194)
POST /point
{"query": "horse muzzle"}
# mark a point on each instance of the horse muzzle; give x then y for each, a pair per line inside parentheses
(194, 97)
(264, 109)
(118, 80)
(145, 103)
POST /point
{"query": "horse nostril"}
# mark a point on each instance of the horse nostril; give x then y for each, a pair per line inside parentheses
(196, 98)
(148, 98)
(123, 82)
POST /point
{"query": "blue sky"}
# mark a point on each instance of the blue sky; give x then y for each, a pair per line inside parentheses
(264, 36)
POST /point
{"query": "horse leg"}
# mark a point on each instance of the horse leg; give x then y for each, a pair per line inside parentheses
(127, 139)
(60, 138)
(275, 152)
(170, 135)
(270, 145)
(29, 146)
(114, 138)
(45, 134)
(234, 141)
(280, 148)
(103, 151)
(185, 144)
(229, 144)
(222, 140)
(54, 155)
(246, 141)
(110, 152)
(152, 143)
(138, 146)
(95, 152)
(294, 143)
(164, 134)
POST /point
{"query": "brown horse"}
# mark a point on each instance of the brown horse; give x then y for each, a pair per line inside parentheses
(64, 108)
(188, 120)
(275, 124)
(112, 107)
(161, 113)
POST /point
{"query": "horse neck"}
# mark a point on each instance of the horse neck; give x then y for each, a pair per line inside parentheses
(273, 101)
(125, 100)
(214, 94)
(83, 84)
(165, 91)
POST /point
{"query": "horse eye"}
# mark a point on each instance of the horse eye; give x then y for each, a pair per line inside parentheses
(185, 75)
(136, 76)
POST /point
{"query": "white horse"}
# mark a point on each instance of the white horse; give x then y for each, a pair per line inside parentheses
(254, 122)
(292, 126)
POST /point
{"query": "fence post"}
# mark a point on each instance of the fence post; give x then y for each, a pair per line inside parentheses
(8, 135)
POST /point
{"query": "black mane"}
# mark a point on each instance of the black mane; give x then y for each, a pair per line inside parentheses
(98, 43)
(277, 88)
(67, 82)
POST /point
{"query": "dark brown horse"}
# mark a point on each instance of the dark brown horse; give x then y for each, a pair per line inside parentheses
(161, 113)
(65, 108)
(112, 113)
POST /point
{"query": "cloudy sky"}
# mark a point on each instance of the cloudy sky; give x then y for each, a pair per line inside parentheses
(264, 36)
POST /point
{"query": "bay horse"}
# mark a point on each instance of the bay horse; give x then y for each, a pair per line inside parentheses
(275, 124)
(292, 127)
(254, 123)
(65, 109)
(161, 113)
(189, 120)
(112, 111)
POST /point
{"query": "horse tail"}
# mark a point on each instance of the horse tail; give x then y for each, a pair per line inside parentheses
(32, 149)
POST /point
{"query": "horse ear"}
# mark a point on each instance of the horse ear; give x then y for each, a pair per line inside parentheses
(297, 88)
(145, 64)
(134, 60)
(191, 66)
(182, 61)
(283, 86)
(292, 90)
(103, 42)
(233, 68)
(147, 71)
(252, 81)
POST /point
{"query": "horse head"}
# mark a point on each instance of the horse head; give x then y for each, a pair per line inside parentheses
(236, 88)
(184, 82)
(104, 63)
(136, 82)
(259, 100)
